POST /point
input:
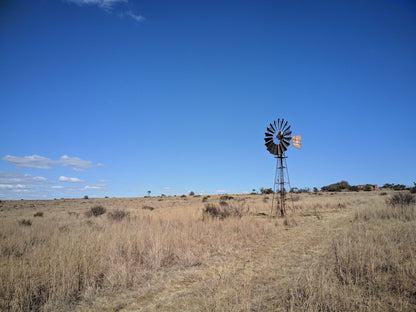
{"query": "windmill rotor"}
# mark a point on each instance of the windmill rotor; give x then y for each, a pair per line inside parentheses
(277, 137)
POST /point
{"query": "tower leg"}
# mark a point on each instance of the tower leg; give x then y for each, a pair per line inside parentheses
(279, 188)
(282, 187)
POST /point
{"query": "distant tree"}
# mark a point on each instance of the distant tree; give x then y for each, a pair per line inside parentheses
(191, 193)
(336, 187)
(368, 187)
(148, 193)
(413, 189)
(315, 189)
(354, 188)
(266, 191)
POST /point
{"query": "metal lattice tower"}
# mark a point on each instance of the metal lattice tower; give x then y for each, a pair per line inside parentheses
(277, 140)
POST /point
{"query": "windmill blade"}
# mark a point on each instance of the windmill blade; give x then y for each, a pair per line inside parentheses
(275, 124)
(284, 148)
(271, 126)
(287, 129)
(285, 125)
(268, 144)
(281, 123)
(279, 150)
(267, 140)
(270, 130)
(285, 143)
(268, 134)
(274, 150)
(287, 133)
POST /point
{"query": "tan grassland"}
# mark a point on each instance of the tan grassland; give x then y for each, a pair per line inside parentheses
(333, 252)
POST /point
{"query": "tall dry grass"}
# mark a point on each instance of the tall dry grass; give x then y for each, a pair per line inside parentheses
(370, 266)
(56, 263)
(66, 257)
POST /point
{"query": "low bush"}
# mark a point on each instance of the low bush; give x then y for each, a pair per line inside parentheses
(118, 215)
(401, 199)
(25, 222)
(96, 211)
(222, 212)
(226, 197)
(38, 214)
(148, 208)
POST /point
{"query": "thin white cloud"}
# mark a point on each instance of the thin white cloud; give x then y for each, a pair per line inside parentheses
(34, 161)
(78, 169)
(6, 186)
(40, 162)
(100, 165)
(74, 162)
(57, 187)
(102, 181)
(72, 180)
(14, 187)
(16, 177)
(221, 191)
(136, 17)
(95, 187)
(109, 5)
(105, 4)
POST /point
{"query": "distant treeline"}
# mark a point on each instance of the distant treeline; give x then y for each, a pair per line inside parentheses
(344, 186)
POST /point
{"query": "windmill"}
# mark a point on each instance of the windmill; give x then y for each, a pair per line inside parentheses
(277, 138)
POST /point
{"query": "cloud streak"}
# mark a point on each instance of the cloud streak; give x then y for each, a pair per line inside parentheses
(40, 162)
(71, 180)
(109, 6)
(104, 4)
(34, 161)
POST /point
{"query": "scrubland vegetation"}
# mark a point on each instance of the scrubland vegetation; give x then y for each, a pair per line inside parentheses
(347, 251)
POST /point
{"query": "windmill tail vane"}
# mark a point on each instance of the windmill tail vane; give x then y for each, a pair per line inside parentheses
(277, 140)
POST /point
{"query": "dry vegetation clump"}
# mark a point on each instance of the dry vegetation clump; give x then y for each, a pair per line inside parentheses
(38, 214)
(224, 210)
(95, 211)
(26, 222)
(148, 208)
(118, 215)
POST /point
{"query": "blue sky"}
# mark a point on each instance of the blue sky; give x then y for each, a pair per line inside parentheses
(114, 98)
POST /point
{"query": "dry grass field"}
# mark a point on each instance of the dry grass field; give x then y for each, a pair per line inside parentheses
(334, 252)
